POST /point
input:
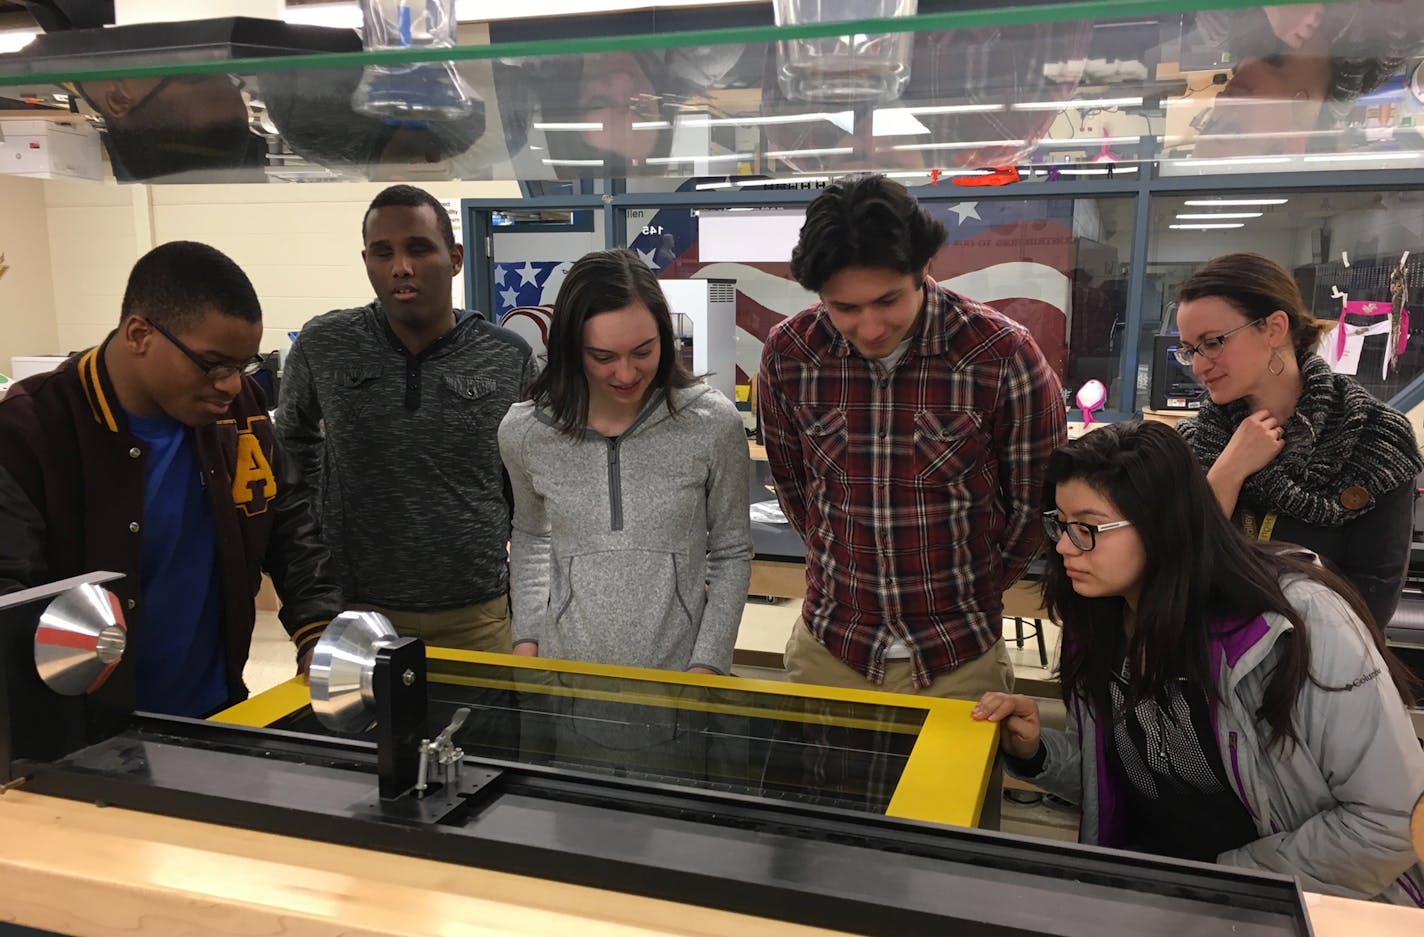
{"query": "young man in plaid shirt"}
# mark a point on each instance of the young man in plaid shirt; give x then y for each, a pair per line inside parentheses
(908, 429)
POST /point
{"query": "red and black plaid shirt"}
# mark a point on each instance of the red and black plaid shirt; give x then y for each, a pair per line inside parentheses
(918, 492)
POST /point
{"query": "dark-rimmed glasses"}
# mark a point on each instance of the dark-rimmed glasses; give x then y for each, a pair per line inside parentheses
(1081, 535)
(215, 371)
(1209, 348)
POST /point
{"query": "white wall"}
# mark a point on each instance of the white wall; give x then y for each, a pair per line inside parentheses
(1385, 231)
(27, 324)
(519, 246)
(26, 298)
(92, 245)
(300, 244)
(1201, 246)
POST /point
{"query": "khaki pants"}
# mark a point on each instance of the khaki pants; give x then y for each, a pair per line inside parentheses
(482, 627)
(807, 661)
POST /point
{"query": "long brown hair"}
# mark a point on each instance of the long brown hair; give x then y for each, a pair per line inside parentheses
(602, 281)
(1201, 572)
(1256, 286)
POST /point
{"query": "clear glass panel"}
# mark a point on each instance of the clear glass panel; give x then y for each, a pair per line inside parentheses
(848, 755)
(993, 98)
(529, 259)
(1056, 265)
(1342, 248)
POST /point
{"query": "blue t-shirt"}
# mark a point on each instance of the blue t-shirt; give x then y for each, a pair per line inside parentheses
(178, 653)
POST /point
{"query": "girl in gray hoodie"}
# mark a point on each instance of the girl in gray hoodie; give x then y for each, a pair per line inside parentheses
(631, 539)
(1225, 702)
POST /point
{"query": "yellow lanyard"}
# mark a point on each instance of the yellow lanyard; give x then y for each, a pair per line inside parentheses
(1268, 526)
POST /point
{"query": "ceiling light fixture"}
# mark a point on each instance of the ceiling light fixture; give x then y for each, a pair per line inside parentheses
(1076, 105)
(1355, 157)
(843, 119)
(792, 154)
(1236, 161)
(966, 145)
(1233, 202)
(718, 158)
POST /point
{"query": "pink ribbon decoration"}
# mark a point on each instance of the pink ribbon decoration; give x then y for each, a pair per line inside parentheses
(1372, 308)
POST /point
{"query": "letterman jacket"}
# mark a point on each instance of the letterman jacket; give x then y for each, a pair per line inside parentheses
(72, 501)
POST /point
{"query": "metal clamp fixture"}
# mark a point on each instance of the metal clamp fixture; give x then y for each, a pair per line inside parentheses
(442, 756)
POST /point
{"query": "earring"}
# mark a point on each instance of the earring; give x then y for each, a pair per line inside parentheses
(1276, 360)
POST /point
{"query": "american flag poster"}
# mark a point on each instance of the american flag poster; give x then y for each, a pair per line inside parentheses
(1018, 256)
(524, 293)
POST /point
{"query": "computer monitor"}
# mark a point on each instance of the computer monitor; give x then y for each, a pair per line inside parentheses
(1173, 385)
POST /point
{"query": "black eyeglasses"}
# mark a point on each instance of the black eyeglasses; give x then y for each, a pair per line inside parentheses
(1209, 348)
(1083, 536)
(215, 371)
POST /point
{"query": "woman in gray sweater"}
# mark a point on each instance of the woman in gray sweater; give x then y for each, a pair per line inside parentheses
(631, 539)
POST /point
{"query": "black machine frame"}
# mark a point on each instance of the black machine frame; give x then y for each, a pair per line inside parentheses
(808, 864)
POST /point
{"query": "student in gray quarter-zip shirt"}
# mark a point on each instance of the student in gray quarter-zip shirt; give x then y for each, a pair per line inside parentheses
(391, 412)
(1226, 701)
(632, 537)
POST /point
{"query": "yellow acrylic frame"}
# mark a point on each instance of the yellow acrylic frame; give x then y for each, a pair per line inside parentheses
(944, 781)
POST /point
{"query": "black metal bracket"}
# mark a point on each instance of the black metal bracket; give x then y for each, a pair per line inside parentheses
(401, 702)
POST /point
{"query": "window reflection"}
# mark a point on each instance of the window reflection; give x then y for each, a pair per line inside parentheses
(1342, 248)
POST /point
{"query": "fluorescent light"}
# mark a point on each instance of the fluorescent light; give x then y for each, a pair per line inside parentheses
(763, 183)
(1085, 141)
(719, 158)
(1208, 216)
(925, 173)
(1097, 171)
(593, 125)
(1072, 105)
(904, 121)
(1213, 202)
(896, 122)
(13, 40)
(951, 109)
(967, 145)
(482, 11)
(572, 162)
(826, 151)
(759, 183)
(1204, 227)
(339, 15)
(1270, 135)
(1348, 157)
(477, 11)
(651, 125)
(842, 119)
(1238, 161)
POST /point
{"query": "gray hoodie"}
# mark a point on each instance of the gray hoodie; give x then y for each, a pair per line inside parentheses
(634, 551)
(1334, 810)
